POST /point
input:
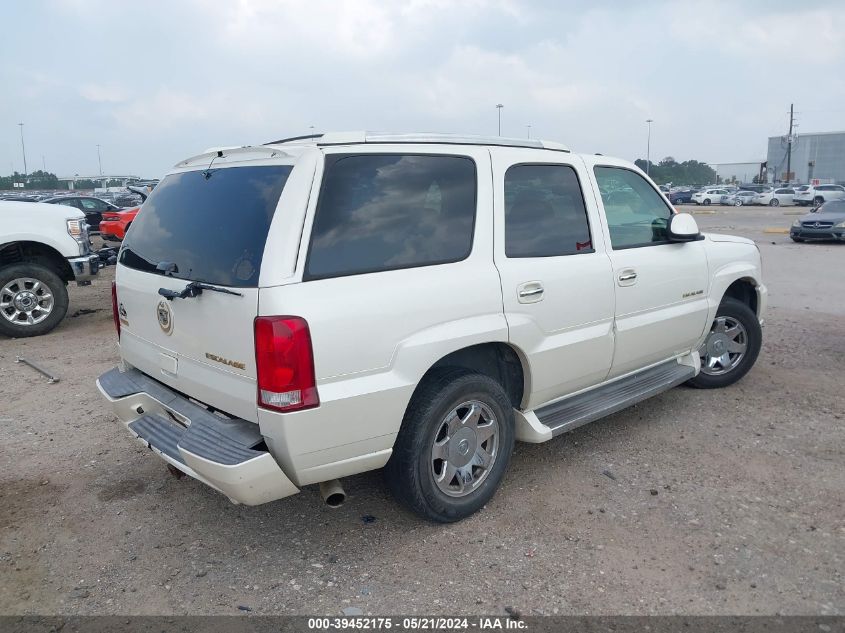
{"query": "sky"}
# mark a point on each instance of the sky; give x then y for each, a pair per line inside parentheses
(154, 82)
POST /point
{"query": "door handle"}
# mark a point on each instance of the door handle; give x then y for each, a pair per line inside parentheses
(627, 277)
(530, 292)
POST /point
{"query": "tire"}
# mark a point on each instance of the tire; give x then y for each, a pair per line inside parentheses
(738, 203)
(14, 296)
(796, 239)
(731, 312)
(774, 202)
(411, 472)
(706, 201)
(818, 201)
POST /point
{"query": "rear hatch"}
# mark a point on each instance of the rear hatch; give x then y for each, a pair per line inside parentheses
(207, 226)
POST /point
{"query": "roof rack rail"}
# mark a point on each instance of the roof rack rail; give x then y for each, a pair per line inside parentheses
(304, 137)
(348, 138)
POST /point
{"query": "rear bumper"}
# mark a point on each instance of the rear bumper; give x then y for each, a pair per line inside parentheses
(222, 453)
(84, 268)
(112, 230)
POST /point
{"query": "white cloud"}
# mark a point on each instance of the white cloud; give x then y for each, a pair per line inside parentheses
(162, 110)
(153, 82)
(100, 93)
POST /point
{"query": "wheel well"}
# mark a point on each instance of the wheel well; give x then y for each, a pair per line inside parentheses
(37, 253)
(745, 291)
(497, 360)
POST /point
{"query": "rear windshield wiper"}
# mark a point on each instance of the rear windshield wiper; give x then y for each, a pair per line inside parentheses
(194, 289)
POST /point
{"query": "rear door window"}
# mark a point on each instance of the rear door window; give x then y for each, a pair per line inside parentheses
(380, 212)
(208, 226)
(545, 214)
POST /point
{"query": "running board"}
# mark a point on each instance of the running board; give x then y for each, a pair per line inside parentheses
(597, 403)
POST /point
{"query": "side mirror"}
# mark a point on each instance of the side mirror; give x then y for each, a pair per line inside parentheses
(683, 228)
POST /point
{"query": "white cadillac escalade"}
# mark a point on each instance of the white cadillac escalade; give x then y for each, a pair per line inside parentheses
(297, 312)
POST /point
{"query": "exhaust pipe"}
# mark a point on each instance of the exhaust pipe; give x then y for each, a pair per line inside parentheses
(332, 493)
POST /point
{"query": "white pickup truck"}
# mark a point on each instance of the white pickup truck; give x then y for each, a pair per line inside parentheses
(293, 313)
(43, 247)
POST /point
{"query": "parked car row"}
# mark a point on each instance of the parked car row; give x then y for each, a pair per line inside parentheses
(803, 195)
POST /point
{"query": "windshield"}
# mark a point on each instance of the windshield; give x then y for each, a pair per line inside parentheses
(208, 226)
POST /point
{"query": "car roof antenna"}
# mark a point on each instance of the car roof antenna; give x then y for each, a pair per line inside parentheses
(207, 172)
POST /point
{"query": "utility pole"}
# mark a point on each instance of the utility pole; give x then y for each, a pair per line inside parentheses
(529, 130)
(499, 107)
(23, 149)
(99, 161)
(44, 163)
(648, 147)
(789, 146)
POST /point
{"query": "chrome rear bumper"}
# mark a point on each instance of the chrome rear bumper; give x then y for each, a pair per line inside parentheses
(221, 452)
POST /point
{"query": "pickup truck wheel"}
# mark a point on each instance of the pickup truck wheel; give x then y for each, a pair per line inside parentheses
(33, 299)
(453, 447)
(731, 347)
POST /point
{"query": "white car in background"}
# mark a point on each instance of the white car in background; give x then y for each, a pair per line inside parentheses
(819, 194)
(776, 198)
(709, 196)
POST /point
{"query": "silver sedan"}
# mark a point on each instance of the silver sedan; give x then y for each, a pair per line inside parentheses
(739, 198)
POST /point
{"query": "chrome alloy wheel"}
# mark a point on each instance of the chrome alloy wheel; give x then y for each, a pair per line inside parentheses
(25, 301)
(724, 347)
(466, 444)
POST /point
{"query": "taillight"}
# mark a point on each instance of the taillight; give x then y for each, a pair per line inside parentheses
(114, 309)
(285, 363)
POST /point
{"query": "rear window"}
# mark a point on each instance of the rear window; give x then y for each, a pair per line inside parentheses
(208, 226)
(388, 211)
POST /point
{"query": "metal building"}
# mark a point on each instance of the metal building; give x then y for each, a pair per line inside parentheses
(815, 157)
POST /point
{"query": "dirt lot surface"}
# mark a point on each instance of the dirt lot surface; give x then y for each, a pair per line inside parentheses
(718, 502)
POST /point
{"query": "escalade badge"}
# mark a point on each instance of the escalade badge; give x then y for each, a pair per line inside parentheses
(231, 363)
(165, 317)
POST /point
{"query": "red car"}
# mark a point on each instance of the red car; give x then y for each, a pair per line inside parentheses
(114, 224)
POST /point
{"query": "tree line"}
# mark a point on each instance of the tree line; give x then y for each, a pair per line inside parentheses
(45, 180)
(668, 170)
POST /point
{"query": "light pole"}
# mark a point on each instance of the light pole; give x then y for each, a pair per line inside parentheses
(529, 130)
(648, 147)
(99, 161)
(23, 149)
(499, 107)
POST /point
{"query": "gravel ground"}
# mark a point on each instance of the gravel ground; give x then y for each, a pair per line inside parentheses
(694, 502)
